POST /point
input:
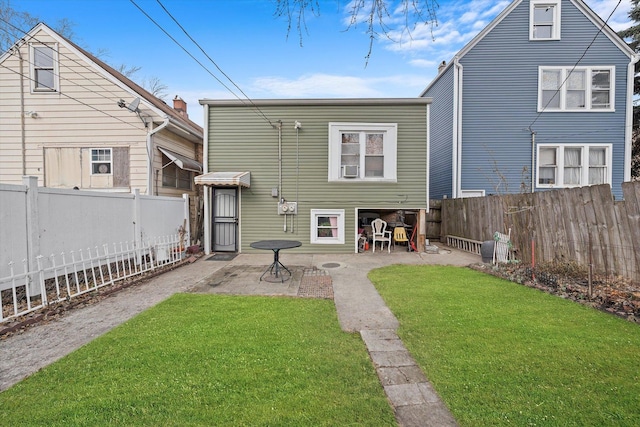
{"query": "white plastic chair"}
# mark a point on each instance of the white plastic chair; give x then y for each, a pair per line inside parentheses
(380, 234)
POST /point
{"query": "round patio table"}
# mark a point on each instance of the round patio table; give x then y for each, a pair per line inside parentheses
(276, 268)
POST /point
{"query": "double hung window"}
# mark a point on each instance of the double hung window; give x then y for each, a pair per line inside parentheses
(362, 152)
(101, 161)
(44, 65)
(575, 89)
(544, 20)
(573, 165)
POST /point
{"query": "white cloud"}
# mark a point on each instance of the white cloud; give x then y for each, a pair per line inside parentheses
(620, 18)
(338, 86)
(459, 22)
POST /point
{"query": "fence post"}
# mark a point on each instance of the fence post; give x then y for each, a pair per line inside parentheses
(33, 229)
(137, 226)
(187, 221)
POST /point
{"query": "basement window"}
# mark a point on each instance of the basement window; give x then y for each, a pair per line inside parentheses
(327, 226)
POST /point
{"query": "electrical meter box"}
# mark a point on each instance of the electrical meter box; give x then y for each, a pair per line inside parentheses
(288, 208)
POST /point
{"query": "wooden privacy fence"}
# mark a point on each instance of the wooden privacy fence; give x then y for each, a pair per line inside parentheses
(583, 225)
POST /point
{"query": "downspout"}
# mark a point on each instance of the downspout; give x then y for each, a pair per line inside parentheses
(533, 159)
(150, 147)
(23, 136)
(628, 128)
(280, 159)
(457, 128)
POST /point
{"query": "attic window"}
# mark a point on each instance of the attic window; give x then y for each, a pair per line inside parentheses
(544, 20)
(44, 68)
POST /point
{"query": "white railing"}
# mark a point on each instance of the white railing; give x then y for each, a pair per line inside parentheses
(76, 273)
(463, 244)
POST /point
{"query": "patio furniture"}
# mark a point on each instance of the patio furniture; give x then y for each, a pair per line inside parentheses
(276, 268)
(400, 236)
(380, 234)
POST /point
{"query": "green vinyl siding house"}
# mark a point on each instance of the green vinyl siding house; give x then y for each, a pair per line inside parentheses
(312, 170)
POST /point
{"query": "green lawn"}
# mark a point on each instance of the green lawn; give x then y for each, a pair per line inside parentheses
(499, 353)
(210, 360)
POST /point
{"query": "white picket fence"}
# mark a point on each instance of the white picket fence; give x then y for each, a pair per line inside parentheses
(68, 275)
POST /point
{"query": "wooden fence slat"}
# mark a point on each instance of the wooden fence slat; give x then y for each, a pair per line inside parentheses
(563, 223)
(615, 253)
(631, 193)
(629, 262)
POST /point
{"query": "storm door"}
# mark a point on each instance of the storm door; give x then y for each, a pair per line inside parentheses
(225, 219)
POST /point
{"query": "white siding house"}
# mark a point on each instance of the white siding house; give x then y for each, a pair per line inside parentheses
(74, 122)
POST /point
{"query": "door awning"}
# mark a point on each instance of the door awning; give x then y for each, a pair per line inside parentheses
(229, 179)
(181, 161)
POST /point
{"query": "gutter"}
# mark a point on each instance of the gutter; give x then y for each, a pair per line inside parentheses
(183, 128)
(150, 151)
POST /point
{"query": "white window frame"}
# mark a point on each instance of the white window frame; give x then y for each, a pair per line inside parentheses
(110, 161)
(472, 193)
(589, 89)
(555, 25)
(35, 88)
(337, 240)
(390, 143)
(584, 164)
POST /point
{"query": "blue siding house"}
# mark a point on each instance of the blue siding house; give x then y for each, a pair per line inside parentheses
(541, 98)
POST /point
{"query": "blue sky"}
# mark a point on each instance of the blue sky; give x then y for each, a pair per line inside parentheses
(250, 45)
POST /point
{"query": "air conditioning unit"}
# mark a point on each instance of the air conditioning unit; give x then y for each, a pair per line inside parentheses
(101, 168)
(350, 171)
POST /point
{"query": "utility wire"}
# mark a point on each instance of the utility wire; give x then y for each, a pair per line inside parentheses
(259, 112)
(575, 65)
(74, 99)
(60, 54)
(206, 54)
(84, 65)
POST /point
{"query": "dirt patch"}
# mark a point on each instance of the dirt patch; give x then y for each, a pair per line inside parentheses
(56, 310)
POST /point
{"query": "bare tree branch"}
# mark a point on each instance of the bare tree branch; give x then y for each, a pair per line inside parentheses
(156, 87)
(379, 16)
(128, 71)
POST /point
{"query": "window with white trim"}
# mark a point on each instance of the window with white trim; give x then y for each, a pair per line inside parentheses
(544, 20)
(571, 165)
(101, 161)
(575, 89)
(327, 226)
(362, 151)
(44, 68)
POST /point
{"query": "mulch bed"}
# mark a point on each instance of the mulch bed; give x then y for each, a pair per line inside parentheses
(56, 310)
(616, 295)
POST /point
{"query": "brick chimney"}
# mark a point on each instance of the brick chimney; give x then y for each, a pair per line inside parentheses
(180, 106)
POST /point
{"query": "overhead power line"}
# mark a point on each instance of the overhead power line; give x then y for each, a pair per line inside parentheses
(575, 65)
(258, 110)
(72, 58)
(115, 98)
